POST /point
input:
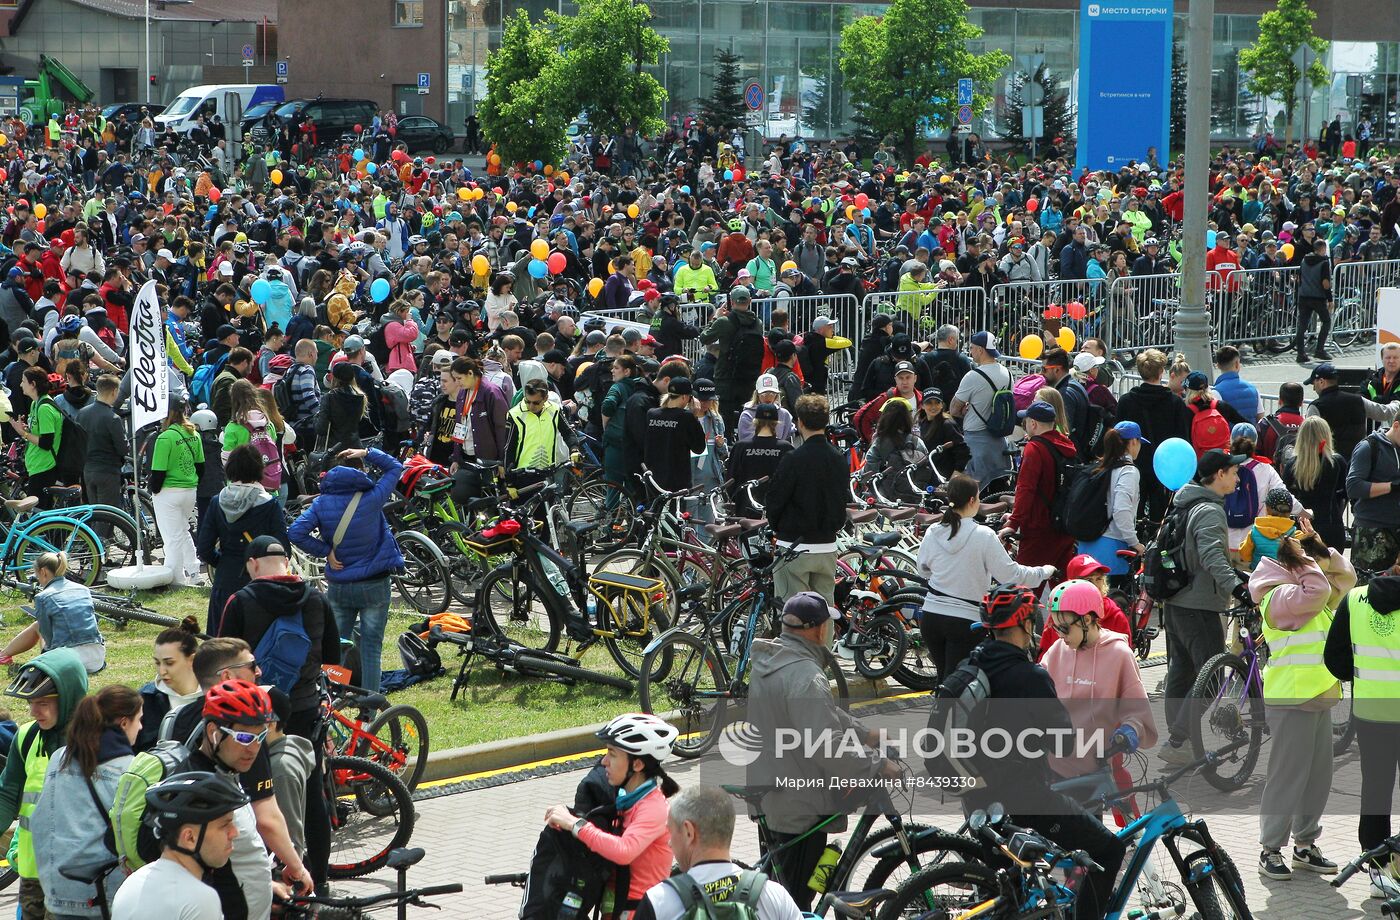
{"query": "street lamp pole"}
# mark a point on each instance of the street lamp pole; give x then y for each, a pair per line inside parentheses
(1193, 321)
(148, 51)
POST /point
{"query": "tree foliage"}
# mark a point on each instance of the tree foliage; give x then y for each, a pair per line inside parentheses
(902, 68)
(1178, 105)
(724, 107)
(1273, 73)
(518, 115)
(603, 48)
(1058, 119)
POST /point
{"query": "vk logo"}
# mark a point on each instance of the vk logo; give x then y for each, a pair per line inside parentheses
(1093, 9)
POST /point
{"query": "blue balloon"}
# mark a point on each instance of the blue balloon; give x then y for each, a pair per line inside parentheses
(685, 190)
(1210, 239)
(531, 212)
(355, 188)
(371, 168)
(1174, 463)
(865, 211)
(539, 164)
(728, 175)
(359, 154)
(379, 290)
(261, 291)
(538, 269)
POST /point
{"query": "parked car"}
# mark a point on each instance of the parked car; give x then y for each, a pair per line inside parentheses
(333, 118)
(419, 132)
(132, 110)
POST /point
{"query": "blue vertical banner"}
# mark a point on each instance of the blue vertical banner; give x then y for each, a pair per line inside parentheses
(1125, 81)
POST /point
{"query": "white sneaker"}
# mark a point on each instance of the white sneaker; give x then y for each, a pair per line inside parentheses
(1383, 886)
(1175, 755)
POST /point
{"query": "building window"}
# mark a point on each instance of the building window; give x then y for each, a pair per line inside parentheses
(408, 13)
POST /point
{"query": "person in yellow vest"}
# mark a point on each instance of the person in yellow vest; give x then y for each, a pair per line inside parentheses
(537, 434)
(1296, 594)
(1363, 646)
(51, 684)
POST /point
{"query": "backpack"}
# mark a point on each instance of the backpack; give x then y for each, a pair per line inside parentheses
(262, 440)
(133, 832)
(1001, 420)
(1084, 511)
(71, 456)
(393, 408)
(1164, 572)
(739, 903)
(959, 708)
(282, 395)
(1067, 471)
(377, 345)
(283, 649)
(1209, 430)
(202, 383)
(1285, 433)
(1024, 390)
(1242, 505)
(563, 868)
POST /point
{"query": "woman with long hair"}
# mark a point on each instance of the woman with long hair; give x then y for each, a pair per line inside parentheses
(64, 617)
(500, 299)
(70, 822)
(961, 558)
(42, 430)
(1121, 445)
(1055, 398)
(342, 407)
(895, 447)
(1313, 472)
(176, 465)
(175, 683)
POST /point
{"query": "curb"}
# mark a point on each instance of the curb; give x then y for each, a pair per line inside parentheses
(510, 753)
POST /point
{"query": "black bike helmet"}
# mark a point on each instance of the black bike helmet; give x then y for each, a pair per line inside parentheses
(31, 683)
(1008, 605)
(194, 797)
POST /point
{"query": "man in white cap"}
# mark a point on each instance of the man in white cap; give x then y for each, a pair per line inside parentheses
(973, 404)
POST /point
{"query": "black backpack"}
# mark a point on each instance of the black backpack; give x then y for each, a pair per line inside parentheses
(959, 705)
(1164, 572)
(1084, 510)
(1067, 472)
(562, 867)
(282, 395)
(72, 448)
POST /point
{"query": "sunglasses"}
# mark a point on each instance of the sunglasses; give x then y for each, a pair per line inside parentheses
(243, 665)
(1062, 629)
(247, 739)
(535, 404)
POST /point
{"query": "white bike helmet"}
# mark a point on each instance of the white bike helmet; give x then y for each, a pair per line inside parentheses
(640, 735)
(205, 420)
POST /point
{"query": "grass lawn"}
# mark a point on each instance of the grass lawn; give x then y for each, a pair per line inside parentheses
(494, 706)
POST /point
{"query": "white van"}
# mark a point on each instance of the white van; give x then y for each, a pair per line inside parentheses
(212, 99)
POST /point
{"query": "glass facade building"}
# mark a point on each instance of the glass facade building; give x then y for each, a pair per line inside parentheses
(793, 48)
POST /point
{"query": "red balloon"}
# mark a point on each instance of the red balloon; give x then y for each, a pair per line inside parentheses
(862, 201)
(1076, 310)
(430, 160)
(738, 174)
(215, 194)
(556, 263)
(1054, 311)
(41, 226)
(359, 128)
(1033, 205)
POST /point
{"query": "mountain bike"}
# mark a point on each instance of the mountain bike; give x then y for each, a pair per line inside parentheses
(357, 908)
(1227, 700)
(1383, 857)
(396, 736)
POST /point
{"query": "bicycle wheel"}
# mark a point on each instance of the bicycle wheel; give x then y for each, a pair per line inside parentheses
(402, 746)
(508, 603)
(928, 847)
(537, 665)
(124, 611)
(879, 646)
(941, 891)
(628, 638)
(423, 580)
(139, 504)
(918, 671)
(694, 688)
(362, 836)
(590, 503)
(1211, 879)
(119, 542)
(1343, 726)
(1225, 709)
(84, 552)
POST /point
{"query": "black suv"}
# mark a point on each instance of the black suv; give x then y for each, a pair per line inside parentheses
(333, 118)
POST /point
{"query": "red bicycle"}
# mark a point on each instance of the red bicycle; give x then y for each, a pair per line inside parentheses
(396, 737)
(1137, 606)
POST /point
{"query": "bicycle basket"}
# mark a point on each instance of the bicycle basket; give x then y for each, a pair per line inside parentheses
(502, 537)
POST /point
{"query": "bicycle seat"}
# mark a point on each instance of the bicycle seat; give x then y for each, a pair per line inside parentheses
(64, 496)
(899, 514)
(986, 508)
(857, 904)
(750, 795)
(861, 515)
(90, 873)
(723, 531)
(19, 506)
(579, 528)
(404, 857)
(878, 543)
(925, 519)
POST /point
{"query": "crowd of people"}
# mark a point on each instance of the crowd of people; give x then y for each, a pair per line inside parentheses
(332, 306)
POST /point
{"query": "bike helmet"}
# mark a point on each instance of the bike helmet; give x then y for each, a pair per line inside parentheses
(31, 683)
(736, 225)
(1077, 597)
(1008, 605)
(70, 324)
(417, 240)
(205, 420)
(1151, 241)
(640, 735)
(194, 797)
(237, 701)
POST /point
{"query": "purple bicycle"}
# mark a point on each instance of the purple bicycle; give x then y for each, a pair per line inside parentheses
(1227, 701)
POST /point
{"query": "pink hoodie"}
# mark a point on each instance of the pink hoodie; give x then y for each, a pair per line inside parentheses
(1101, 688)
(400, 336)
(645, 844)
(1301, 595)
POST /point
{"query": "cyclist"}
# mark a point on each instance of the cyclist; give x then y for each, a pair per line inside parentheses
(194, 821)
(637, 745)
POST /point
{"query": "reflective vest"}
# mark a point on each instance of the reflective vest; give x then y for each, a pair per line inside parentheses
(1375, 648)
(537, 437)
(1295, 672)
(36, 764)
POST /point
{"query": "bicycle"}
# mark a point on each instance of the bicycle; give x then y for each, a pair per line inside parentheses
(1137, 605)
(357, 908)
(1227, 699)
(1387, 851)
(396, 737)
(1209, 878)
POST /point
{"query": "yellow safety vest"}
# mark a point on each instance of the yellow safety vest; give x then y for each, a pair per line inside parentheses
(36, 764)
(1295, 672)
(538, 437)
(1375, 648)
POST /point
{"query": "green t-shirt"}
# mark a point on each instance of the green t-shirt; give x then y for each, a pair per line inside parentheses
(44, 418)
(177, 451)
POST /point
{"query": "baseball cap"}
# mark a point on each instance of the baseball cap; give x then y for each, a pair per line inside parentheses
(352, 343)
(784, 349)
(442, 358)
(821, 322)
(165, 254)
(705, 389)
(1324, 371)
(554, 356)
(679, 386)
(808, 608)
(1279, 500)
(768, 383)
(1084, 565)
(265, 546)
(1085, 362)
(904, 367)
(25, 344)
(791, 271)
(226, 268)
(225, 331)
(1197, 380)
(1039, 410)
(986, 340)
(933, 393)
(765, 412)
(1130, 431)
(1215, 460)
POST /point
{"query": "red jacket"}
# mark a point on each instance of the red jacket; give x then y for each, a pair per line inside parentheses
(1035, 486)
(52, 264)
(735, 248)
(1175, 206)
(1223, 261)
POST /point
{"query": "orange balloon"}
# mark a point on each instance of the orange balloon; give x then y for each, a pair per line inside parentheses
(548, 170)
(495, 159)
(633, 210)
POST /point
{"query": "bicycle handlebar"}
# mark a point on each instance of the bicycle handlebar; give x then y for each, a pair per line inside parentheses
(406, 896)
(1386, 847)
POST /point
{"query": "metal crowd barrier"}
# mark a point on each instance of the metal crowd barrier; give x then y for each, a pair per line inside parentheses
(1354, 287)
(1255, 306)
(924, 311)
(1018, 309)
(1141, 310)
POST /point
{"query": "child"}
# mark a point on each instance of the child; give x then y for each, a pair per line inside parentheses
(273, 340)
(293, 759)
(1089, 569)
(1270, 529)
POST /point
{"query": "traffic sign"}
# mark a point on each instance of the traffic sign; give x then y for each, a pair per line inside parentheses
(753, 120)
(965, 91)
(282, 68)
(754, 95)
(964, 114)
(425, 80)
(247, 52)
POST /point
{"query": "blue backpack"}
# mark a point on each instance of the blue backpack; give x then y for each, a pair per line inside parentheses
(283, 649)
(1242, 505)
(202, 383)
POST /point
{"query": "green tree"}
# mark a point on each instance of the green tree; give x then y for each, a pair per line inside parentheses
(602, 50)
(1178, 106)
(903, 67)
(724, 107)
(517, 115)
(1273, 72)
(1057, 120)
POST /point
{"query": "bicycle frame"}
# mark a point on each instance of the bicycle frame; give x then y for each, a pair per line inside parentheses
(854, 848)
(21, 531)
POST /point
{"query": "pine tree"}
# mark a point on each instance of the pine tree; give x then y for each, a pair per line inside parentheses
(1058, 118)
(724, 107)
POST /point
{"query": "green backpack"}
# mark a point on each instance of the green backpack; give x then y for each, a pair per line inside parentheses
(136, 841)
(741, 903)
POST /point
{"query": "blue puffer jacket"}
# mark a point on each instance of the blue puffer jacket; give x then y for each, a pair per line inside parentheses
(368, 549)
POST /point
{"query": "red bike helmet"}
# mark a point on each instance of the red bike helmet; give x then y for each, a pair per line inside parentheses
(237, 701)
(1006, 606)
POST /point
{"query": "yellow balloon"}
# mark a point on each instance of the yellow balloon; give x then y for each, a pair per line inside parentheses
(836, 342)
(944, 180)
(3, 140)
(540, 250)
(633, 210)
(595, 287)
(850, 212)
(1066, 339)
(788, 264)
(511, 206)
(1032, 347)
(563, 176)
(481, 265)
(465, 194)
(40, 210)
(478, 194)
(548, 170)
(276, 177)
